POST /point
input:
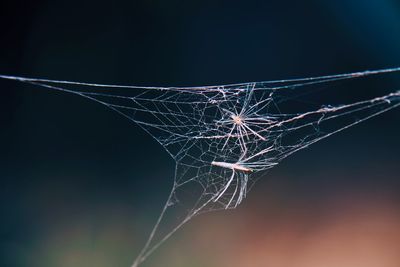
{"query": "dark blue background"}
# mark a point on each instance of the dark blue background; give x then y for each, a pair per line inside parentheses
(66, 161)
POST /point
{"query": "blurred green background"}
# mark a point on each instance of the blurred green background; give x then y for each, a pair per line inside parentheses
(82, 186)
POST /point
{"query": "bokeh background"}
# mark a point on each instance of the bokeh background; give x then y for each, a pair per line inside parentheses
(81, 186)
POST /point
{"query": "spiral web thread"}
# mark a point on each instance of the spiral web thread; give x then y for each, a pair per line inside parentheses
(223, 138)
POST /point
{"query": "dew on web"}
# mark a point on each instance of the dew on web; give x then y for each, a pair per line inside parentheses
(223, 138)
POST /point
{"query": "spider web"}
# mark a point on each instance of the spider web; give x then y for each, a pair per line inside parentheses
(224, 138)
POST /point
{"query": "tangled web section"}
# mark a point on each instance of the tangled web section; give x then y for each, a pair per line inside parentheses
(223, 138)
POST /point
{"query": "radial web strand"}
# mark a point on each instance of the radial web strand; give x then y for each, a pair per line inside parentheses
(224, 138)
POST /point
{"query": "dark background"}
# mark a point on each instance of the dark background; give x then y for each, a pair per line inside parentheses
(81, 186)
